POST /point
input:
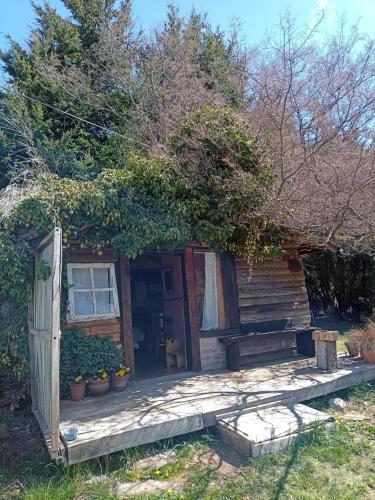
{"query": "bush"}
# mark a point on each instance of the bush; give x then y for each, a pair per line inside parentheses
(84, 355)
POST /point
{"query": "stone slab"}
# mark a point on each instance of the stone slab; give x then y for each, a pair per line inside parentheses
(156, 461)
(268, 429)
(124, 490)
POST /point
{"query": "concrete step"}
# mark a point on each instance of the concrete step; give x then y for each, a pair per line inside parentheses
(268, 429)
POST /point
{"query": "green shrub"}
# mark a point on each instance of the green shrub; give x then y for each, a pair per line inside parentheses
(83, 354)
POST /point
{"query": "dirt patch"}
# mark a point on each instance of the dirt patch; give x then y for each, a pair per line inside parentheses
(220, 458)
(20, 441)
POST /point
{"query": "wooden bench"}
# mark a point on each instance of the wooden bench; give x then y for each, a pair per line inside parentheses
(305, 344)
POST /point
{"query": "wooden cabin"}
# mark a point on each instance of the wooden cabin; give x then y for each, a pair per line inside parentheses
(189, 311)
(171, 312)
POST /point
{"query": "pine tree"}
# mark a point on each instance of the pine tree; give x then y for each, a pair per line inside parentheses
(59, 51)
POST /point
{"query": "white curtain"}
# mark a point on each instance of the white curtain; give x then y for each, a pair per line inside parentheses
(210, 305)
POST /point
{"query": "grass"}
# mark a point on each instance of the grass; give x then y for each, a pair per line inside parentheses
(343, 327)
(328, 463)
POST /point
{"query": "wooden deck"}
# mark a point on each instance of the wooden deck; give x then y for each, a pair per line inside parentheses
(169, 406)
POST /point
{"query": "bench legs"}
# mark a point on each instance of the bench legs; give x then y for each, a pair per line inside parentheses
(305, 344)
(233, 356)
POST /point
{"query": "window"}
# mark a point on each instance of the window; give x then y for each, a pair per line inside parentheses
(92, 291)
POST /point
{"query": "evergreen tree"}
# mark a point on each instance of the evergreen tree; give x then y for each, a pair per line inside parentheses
(58, 51)
(97, 88)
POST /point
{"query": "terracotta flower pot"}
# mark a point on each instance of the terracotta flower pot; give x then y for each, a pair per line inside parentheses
(119, 384)
(368, 356)
(99, 387)
(352, 348)
(77, 391)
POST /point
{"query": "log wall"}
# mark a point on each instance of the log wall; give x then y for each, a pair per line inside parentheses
(273, 291)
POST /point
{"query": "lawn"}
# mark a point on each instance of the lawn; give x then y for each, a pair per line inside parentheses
(334, 463)
(343, 328)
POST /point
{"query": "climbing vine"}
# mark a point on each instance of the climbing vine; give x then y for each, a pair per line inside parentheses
(208, 188)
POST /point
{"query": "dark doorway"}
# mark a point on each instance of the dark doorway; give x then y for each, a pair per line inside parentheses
(158, 315)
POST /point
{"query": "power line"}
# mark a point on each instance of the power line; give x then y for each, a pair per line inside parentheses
(33, 99)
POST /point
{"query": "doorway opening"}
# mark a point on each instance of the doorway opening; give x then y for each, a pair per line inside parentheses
(159, 333)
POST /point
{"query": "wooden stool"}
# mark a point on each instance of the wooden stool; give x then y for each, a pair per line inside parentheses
(326, 350)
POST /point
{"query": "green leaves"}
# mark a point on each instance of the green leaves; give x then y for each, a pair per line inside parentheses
(14, 288)
(85, 355)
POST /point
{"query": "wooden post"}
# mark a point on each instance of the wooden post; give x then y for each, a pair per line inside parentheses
(230, 290)
(33, 383)
(55, 340)
(126, 315)
(193, 310)
(326, 351)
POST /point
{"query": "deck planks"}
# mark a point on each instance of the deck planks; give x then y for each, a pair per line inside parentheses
(169, 406)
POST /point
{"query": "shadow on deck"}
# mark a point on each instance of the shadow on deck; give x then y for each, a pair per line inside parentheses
(155, 409)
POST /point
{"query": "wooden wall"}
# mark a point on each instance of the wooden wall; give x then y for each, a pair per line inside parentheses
(273, 290)
(110, 327)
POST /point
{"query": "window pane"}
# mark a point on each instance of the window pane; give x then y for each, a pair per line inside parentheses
(104, 302)
(102, 277)
(81, 278)
(83, 303)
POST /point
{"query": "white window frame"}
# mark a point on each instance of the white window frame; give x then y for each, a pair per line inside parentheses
(113, 288)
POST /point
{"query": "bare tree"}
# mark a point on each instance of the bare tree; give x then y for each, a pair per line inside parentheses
(313, 104)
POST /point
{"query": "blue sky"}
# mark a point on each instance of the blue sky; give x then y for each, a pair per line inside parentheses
(256, 16)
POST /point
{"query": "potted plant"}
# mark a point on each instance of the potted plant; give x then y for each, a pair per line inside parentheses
(99, 383)
(353, 343)
(78, 388)
(120, 379)
(368, 343)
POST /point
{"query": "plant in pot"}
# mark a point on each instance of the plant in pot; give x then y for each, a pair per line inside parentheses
(120, 379)
(353, 343)
(78, 388)
(99, 383)
(368, 343)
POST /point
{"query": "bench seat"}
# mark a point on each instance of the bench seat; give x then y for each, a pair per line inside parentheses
(304, 343)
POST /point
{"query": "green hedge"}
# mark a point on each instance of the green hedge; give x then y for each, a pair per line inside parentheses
(85, 355)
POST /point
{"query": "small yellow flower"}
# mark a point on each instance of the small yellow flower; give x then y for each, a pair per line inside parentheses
(104, 375)
(157, 473)
(78, 379)
(170, 491)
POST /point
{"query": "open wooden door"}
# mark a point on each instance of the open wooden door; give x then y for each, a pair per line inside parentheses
(45, 339)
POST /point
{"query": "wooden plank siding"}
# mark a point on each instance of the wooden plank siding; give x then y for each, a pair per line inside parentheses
(273, 290)
(110, 327)
(44, 338)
